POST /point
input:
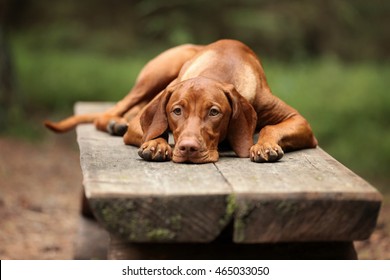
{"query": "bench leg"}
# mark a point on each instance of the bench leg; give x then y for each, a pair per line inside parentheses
(216, 250)
(86, 210)
(91, 241)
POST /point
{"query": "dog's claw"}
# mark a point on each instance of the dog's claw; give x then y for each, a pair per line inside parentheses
(266, 152)
(155, 150)
(145, 154)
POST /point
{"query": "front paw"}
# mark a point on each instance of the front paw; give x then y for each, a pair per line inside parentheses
(155, 150)
(266, 152)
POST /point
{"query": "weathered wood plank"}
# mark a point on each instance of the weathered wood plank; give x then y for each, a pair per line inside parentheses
(307, 196)
(143, 201)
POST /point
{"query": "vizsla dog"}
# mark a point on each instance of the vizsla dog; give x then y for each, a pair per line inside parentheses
(204, 95)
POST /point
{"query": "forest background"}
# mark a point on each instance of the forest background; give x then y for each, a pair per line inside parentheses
(327, 58)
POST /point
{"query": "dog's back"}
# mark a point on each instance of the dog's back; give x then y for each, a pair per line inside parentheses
(227, 61)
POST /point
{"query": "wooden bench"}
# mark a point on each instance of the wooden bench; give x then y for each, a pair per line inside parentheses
(306, 206)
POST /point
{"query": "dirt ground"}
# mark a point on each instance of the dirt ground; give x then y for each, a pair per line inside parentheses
(40, 189)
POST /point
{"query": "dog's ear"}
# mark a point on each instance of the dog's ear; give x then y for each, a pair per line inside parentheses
(242, 122)
(154, 120)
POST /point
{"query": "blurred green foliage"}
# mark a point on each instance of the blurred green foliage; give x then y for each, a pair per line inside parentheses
(352, 29)
(328, 59)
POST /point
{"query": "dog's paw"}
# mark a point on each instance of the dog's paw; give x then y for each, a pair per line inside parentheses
(116, 128)
(155, 150)
(266, 152)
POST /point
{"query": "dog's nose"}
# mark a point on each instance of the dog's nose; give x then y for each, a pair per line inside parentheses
(188, 146)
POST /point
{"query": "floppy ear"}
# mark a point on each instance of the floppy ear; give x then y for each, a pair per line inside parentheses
(154, 120)
(242, 122)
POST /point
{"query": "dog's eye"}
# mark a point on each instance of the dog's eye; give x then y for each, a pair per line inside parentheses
(177, 111)
(213, 112)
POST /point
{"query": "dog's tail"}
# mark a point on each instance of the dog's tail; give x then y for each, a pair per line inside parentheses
(71, 122)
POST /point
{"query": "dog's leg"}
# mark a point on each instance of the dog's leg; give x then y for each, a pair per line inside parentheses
(283, 129)
(156, 150)
(291, 134)
(153, 78)
(153, 150)
(117, 125)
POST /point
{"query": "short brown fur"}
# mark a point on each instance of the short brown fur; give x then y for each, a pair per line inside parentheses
(203, 95)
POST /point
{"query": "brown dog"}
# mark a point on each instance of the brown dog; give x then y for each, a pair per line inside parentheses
(204, 95)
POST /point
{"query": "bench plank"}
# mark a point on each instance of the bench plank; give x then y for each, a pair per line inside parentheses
(145, 201)
(307, 196)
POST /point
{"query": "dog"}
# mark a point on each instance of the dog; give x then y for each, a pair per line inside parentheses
(204, 95)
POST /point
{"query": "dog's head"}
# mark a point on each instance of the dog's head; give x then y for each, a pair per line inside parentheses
(201, 113)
